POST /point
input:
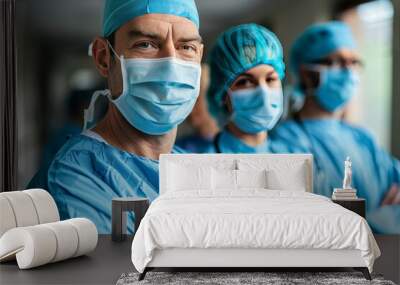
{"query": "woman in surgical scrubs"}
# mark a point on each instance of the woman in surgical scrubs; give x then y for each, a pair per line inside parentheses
(326, 66)
(245, 94)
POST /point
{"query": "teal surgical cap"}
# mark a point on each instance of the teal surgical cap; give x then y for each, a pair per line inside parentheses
(118, 12)
(237, 50)
(318, 41)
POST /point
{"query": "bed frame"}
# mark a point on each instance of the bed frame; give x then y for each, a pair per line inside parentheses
(242, 260)
(234, 259)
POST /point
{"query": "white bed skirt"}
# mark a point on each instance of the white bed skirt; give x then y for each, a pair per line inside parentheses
(192, 257)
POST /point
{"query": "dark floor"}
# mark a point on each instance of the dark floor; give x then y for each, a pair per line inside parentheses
(106, 264)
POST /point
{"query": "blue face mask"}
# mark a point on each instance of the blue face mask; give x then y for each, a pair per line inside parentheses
(158, 94)
(337, 86)
(256, 110)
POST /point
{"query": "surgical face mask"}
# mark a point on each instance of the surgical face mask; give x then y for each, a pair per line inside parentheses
(158, 94)
(337, 86)
(256, 110)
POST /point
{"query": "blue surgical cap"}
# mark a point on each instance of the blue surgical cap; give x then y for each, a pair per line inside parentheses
(318, 41)
(237, 50)
(118, 12)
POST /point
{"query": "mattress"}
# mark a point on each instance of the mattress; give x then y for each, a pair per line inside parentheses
(250, 219)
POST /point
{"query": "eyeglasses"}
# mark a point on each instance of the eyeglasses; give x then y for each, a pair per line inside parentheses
(340, 63)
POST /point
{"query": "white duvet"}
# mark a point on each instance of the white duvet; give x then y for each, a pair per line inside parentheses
(250, 219)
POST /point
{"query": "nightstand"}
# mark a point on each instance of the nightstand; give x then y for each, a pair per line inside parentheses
(355, 205)
(119, 208)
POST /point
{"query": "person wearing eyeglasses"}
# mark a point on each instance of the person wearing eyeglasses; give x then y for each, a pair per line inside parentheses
(326, 68)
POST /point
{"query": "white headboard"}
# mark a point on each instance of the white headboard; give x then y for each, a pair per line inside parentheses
(232, 160)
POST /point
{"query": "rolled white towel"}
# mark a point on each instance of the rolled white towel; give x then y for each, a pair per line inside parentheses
(87, 234)
(66, 237)
(32, 246)
(26, 208)
(7, 218)
(23, 208)
(45, 205)
(40, 244)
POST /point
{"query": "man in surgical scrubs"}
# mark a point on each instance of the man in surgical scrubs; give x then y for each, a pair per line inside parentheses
(326, 67)
(150, 53)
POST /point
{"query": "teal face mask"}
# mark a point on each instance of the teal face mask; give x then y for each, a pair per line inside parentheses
(256, 110)
(337, 86)
(158, 94)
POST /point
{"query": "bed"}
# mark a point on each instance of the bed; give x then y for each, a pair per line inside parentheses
(246, 211)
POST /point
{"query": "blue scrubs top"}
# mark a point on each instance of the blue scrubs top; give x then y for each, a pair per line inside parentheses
(225, 142)
(194, 143)
(331, 141)
(87, 173)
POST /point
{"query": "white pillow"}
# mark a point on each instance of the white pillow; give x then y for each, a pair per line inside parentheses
(205, 161)
(251, 178)
(223, 164)
(224, 179)
(290, 174)
(292, 179)
(188, 177)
